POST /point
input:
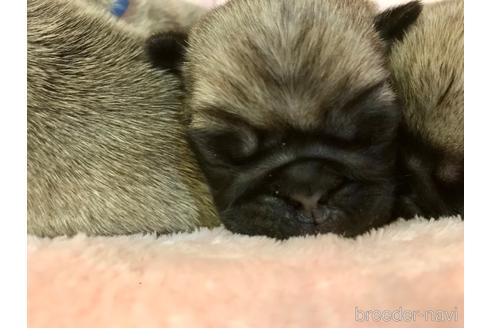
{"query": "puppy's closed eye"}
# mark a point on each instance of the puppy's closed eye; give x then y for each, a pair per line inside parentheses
(229, 147)
(369, 117)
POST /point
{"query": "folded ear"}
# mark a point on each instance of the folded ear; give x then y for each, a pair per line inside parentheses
(166, 50)
(393, 23)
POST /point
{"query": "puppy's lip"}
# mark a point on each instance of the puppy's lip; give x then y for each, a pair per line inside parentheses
(301, 229)
(289, 212)
(343, 223)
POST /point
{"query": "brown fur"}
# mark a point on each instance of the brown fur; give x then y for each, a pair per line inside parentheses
(106, 147)
(236, 51)
(428, 75)
(150, 16)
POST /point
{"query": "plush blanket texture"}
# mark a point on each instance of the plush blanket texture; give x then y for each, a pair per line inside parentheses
(412, 271)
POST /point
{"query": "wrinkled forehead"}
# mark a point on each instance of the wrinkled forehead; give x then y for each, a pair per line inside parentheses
(282, 68)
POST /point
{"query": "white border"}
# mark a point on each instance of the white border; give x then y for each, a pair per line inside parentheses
(478, 127)
(13, 136)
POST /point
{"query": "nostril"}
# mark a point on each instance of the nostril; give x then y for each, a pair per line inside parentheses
(323, 201)
(306, 202)
(320, 215)
(311, 209)
(295, 204)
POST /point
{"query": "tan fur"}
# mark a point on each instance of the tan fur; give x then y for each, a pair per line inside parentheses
(279, 61)
(428, 74)
(106, 148)
(150, 16)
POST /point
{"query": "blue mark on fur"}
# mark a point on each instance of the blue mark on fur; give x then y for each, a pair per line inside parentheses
(119, 7)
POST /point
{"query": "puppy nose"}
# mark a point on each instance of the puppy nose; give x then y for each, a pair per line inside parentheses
(310, 207)
(306, 185)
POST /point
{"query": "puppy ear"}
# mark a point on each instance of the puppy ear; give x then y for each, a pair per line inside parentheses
(393, 23)
(166, 50)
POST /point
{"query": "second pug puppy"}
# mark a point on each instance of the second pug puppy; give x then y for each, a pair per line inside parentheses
(292, 115)
(427, 66)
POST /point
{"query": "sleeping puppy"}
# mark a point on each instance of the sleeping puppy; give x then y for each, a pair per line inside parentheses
(106, 145)
(427, 66)
(292, 116)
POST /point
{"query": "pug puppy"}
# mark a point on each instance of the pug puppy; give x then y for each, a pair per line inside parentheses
(292, 116)
(427, 68)
(107, 152)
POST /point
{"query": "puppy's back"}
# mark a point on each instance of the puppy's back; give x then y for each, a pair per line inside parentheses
(106, 150)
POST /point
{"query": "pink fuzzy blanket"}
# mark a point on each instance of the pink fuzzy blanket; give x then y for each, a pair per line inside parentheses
(409, 274)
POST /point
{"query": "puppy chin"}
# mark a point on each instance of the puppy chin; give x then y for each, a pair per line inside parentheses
(272, 217)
